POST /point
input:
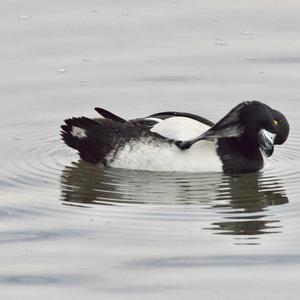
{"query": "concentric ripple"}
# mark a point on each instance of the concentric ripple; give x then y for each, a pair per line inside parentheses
(33, 155)
(35, 159)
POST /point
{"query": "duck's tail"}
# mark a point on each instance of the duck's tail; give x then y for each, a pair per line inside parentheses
(109, 115)
(83, 134)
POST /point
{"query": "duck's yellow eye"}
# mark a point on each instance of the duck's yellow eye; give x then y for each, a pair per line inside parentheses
(275, 122)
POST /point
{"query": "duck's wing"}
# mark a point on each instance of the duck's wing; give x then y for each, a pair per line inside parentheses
(229, 126)
(175, 125)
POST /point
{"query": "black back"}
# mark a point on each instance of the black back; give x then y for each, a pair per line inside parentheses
(168, 114)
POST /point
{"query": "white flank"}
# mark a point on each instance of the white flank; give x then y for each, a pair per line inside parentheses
(78, 132)
(148, 154)
(180, 128)
(153, 155)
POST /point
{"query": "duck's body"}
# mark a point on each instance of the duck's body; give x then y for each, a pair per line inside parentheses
(168, 141)
(154, 153)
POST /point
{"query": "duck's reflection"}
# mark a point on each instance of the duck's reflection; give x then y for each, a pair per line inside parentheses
(249, 196)
(240, 202)
(83, 183)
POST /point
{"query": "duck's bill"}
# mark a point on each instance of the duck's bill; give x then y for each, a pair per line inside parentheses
(266, 142)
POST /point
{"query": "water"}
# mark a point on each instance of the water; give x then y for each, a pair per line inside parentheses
(72, 231)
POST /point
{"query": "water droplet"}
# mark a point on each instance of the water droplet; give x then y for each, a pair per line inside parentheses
(84, 82)
(220, 42)
(24, 17)
(124, 15)
(261, 72)
(62, 70)
(95, 11)
(87, 59)
(246, 33)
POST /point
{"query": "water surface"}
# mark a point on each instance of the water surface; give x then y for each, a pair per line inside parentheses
(70, 230)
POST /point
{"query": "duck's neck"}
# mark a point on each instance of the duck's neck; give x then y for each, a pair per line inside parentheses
(239, 155)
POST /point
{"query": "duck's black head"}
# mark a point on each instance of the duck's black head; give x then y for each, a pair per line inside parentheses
(247, 130)
(262, 124)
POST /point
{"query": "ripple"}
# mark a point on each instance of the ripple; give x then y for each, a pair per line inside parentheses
(35, 159)
(170, 78)
(200, 261)
(32, 158)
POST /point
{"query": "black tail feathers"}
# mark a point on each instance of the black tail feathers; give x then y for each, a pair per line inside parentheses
(109, 115)
(83, 134)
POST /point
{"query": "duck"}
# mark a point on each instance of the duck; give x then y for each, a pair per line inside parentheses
(174, 141)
